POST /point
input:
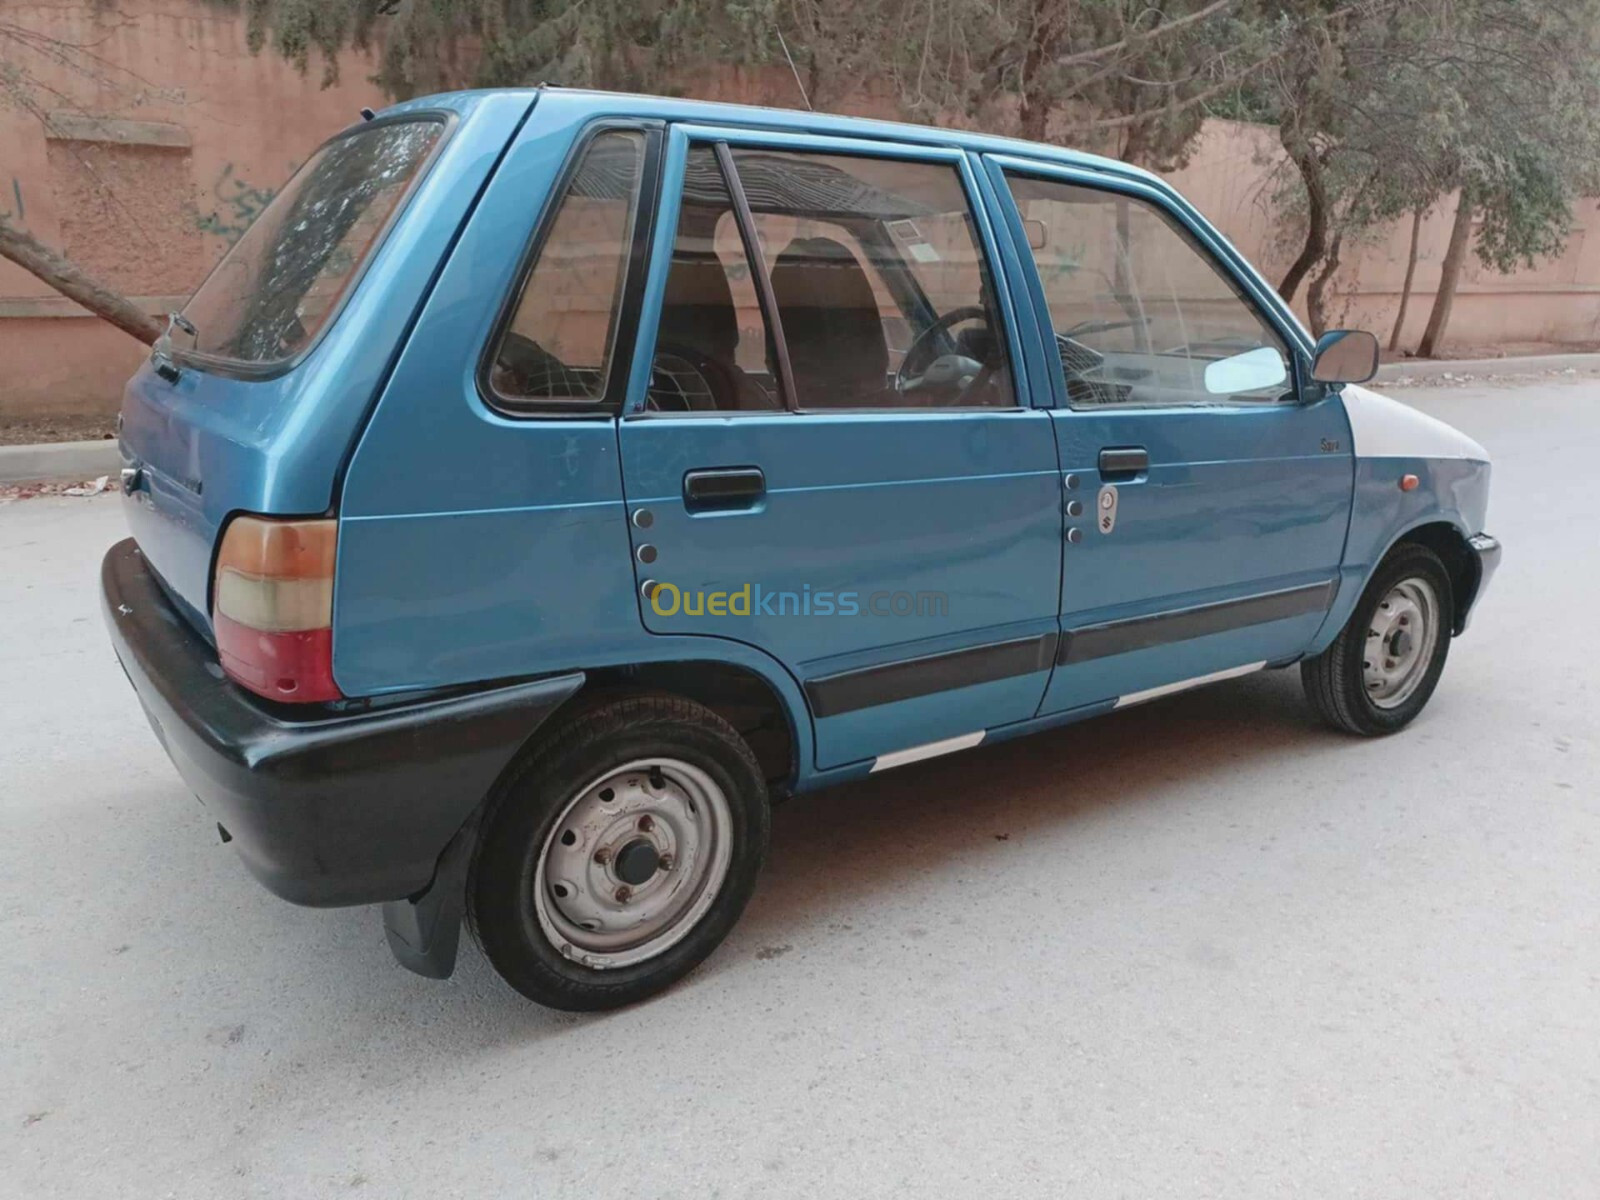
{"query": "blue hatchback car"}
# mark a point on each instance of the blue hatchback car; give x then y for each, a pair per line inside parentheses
(548, 480)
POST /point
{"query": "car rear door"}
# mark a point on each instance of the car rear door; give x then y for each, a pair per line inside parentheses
(1207, 492)
(888, 530)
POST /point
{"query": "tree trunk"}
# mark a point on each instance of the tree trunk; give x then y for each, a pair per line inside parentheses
(1316, 224)
(32, 255)
(1033, 108)
(1316, 296)
(1449, 277)
(1411, 275)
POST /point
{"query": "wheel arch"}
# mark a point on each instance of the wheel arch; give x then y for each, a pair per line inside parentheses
(1446, 539)
(1433, 528)
(740, 695)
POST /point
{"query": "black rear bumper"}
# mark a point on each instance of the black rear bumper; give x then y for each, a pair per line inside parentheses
(324, 810)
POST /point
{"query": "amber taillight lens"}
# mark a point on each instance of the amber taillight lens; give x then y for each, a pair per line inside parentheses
(272, 607)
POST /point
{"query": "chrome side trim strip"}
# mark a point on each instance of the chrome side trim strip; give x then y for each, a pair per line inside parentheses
(900, 758)
(1184, 685)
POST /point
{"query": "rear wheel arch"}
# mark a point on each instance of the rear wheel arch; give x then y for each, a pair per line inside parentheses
(743, 697)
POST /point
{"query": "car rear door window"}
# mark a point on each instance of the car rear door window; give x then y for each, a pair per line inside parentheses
(713, 351)
(879, 281)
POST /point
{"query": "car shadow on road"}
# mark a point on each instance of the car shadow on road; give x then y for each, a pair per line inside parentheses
(833, 850)
(837, 848)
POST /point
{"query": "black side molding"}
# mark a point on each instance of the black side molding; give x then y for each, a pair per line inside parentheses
(847, 691)
(1141, 633)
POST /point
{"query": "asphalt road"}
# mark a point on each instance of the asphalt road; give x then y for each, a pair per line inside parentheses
(1200, 948)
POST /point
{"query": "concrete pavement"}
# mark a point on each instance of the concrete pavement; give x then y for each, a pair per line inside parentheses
(1198, 948)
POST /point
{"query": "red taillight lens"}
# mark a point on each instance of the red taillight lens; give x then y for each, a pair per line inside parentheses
(273, 607)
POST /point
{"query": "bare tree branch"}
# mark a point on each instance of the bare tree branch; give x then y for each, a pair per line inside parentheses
(1144, 36)
(66, 277)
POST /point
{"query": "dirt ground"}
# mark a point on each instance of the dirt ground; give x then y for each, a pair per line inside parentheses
(1465, 353)
(77, 427)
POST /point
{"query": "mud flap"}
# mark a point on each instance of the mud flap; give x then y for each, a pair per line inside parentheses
(424, 931)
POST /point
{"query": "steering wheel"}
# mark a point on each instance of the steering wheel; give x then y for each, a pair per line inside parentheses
(946, 368)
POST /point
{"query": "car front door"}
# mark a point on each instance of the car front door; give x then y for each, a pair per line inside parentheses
(826, 453)
(1207, 495)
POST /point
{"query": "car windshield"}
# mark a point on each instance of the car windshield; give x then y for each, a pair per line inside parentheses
(277, 286)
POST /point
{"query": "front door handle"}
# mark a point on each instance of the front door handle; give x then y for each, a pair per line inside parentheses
(1123, 462)
(723, 487)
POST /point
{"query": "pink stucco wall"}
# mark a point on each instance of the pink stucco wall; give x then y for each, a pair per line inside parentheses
(1231, 179)
(149, 219)
(207, 130)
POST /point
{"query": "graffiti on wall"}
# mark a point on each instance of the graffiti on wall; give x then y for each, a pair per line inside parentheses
(17, 212)
(238, 203)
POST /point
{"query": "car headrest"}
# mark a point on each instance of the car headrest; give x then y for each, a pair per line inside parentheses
(830, 322)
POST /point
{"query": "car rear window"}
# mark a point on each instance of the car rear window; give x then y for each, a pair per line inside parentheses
(282, 280)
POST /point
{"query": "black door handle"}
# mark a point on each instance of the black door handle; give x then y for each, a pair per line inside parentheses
(728, 487)
(1124, 462)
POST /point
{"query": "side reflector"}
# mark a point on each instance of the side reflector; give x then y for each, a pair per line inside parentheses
(273, 607)
(1408, 483)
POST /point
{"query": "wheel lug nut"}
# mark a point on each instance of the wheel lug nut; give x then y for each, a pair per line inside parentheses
(624, 894)
(646, 823)
(665, 862)
(602, 856)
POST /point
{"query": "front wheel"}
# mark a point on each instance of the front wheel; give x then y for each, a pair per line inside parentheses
(620, 852)
(1380, 671)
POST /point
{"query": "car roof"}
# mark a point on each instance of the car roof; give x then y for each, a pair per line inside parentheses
(712, 112)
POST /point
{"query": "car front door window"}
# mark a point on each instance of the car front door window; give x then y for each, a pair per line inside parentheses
(1142, 315)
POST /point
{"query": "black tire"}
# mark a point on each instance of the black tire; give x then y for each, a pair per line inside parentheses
(1334, 680)
(579, 748)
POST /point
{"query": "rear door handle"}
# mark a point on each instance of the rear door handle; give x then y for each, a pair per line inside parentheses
(1123, 462)
(723, 487)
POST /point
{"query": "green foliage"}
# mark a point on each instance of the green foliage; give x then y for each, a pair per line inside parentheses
(1396, 105)
(1124, 74)
(1382, 106)
(430, 45)
(1525, 203)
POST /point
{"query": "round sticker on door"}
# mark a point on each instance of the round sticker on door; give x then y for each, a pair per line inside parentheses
(1106, 508)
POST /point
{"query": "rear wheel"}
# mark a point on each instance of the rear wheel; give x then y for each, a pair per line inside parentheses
(620, 852)
(1381, 670)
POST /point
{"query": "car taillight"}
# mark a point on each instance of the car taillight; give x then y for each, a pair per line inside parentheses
(273, 607)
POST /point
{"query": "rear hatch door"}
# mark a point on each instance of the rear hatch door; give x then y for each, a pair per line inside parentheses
(253, 401)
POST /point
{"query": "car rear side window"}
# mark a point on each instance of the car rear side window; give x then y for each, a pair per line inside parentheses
(556, 350)
(879, 280)
(281, 282)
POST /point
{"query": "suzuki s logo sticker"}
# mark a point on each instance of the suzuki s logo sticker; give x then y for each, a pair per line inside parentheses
(1106, 508)
(1330, 446)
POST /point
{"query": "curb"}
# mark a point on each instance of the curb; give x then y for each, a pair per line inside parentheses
(59, 460)
(1487, 368)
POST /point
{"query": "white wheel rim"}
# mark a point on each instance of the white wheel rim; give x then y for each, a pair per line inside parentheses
(1400, 642)
(634, 861)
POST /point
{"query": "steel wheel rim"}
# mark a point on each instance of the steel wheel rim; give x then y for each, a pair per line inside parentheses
(1400, 642)
(593, 896)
